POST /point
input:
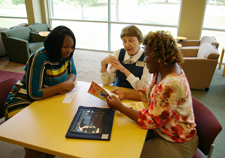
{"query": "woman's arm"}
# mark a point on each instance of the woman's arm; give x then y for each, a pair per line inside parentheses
(72, 78)
(145, 81)
(114, 103)
(132, 95)
(59, 88)
(108, 75)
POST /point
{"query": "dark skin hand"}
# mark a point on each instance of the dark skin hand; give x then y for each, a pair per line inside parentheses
(115, 103)
(60, 88)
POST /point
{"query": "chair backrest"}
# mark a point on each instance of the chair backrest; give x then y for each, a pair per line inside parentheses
(5, 87)
(37, 27)
(210, 40)
(20, 32)
(208, 127)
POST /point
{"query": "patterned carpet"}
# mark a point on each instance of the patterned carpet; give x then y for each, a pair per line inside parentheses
(7, 74)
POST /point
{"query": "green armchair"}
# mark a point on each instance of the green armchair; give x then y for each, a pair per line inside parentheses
(20, 43)
(36, 28)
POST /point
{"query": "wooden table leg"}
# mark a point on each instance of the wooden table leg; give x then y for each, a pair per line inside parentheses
(221, 59)
(223, 70)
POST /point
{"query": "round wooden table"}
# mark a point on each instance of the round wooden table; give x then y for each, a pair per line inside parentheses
(44, 33)
(181, 38)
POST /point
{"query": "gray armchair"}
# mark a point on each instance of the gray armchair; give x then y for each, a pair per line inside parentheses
(36, 28)
(20, 43)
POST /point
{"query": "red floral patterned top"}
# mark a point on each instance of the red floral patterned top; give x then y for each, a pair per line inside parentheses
(170, 111)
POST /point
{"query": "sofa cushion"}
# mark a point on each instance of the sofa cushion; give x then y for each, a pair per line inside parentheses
(37, 27)
(21, 32)
(33, 46)
(208, 39)
(208, 51)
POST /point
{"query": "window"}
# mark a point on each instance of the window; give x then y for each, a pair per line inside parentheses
(97, 23)
(12, 14)
(214, 21)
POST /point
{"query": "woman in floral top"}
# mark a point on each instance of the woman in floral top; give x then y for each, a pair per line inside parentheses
(169, 117)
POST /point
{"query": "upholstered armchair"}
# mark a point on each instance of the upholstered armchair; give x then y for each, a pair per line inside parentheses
(20, 43)
(199, 65)
(38, 27)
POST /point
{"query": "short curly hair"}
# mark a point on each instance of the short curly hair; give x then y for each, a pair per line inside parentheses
(132, 30)
(162, 47)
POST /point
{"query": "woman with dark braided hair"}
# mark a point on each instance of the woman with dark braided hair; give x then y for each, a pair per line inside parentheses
(169, 117)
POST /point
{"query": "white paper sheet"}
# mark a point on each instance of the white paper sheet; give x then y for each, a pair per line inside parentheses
(69, 95)
(110, 93)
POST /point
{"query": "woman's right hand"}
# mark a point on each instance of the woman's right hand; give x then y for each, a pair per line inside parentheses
(68, 85)
(109, 60)
(119, 92)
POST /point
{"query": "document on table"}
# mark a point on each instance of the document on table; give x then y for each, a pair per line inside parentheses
(70, 95)
(133, 105)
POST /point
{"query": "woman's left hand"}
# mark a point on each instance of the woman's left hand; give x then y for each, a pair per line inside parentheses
(117, 66)
(114, 102)
(63, 92)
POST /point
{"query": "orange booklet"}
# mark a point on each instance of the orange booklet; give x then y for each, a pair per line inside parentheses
(98, 91)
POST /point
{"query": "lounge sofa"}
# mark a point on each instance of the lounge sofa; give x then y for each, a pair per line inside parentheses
(199, 65)
(22, 41)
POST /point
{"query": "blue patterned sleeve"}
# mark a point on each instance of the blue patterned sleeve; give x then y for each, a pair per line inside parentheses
(73, 68)
(35, 75)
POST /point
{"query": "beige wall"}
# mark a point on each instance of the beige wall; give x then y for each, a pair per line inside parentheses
(36, 11)
(191, 19)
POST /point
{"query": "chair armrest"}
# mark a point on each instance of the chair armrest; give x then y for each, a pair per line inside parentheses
(213, 56)
(189, 51)
(188, 43)
(35, 37)
(208, 51)
(17, 49)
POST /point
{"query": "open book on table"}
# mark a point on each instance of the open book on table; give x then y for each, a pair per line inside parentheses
(99, 91)
(134, 105)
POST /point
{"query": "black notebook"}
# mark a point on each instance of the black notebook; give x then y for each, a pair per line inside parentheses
(91, 123)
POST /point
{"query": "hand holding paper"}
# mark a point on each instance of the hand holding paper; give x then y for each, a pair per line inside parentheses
(99, 91)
